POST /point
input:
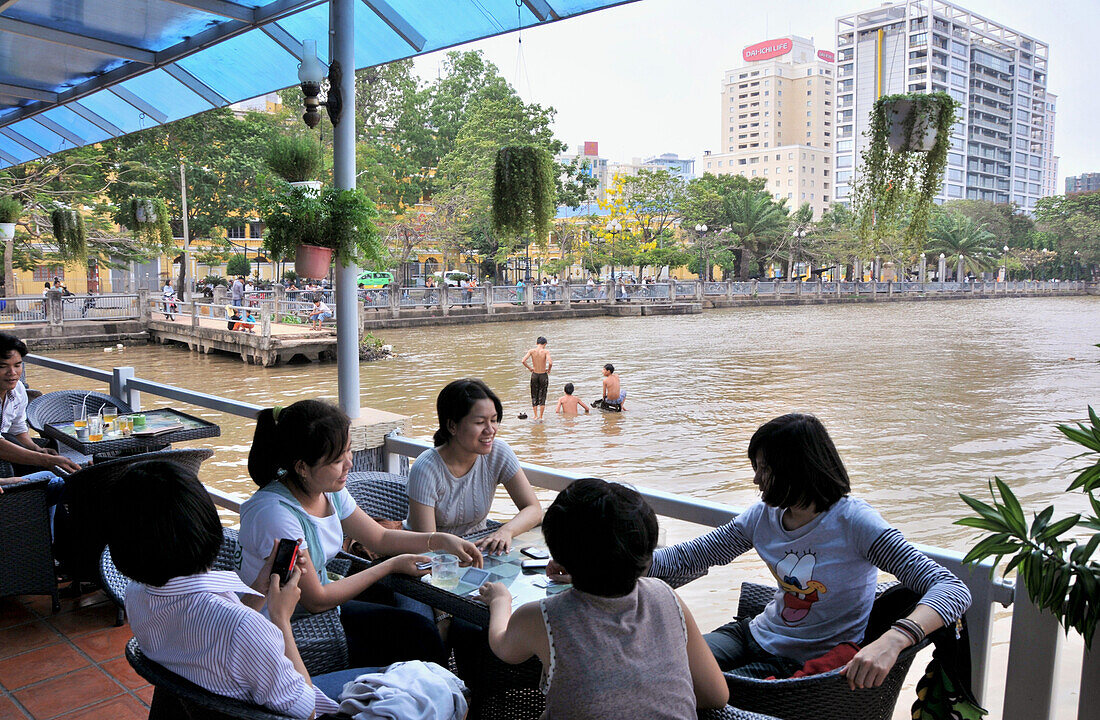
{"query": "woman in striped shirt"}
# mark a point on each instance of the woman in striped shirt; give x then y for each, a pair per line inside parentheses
(825, 549)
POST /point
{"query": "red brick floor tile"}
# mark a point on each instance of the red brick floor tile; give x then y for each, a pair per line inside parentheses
(84, 620)
(8, 710)
(43, 604)
(120, 670)
(146, 694)
(62, 694)
(123, 707)
(28, 636)
(105, 644)
(38, 665)
(12, 612)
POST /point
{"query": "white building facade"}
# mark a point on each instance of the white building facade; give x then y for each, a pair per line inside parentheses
(1002, 149)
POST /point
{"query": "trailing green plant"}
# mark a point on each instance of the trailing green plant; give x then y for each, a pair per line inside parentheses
(294, 158)
(148, 218)
(238, 265)
(371, 340)
(10, 209)
(342, 220)
(1058, 571)
(523, 191)
(291, 320)
(70, 234)
(897, 188)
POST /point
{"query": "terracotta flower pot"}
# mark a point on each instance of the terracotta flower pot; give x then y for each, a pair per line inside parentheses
(923, 137)
(312, 261)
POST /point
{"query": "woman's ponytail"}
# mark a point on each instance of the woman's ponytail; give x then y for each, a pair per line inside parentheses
(262, 464)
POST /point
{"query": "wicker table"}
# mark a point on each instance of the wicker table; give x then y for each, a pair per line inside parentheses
(193, 429)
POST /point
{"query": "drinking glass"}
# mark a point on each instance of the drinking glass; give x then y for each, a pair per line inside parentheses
(445, 571)
(109, 415)
(125, 425)
(95, 428)
(80, 417)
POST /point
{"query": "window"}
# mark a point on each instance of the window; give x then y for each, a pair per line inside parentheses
(955, 159)
(790, 168)
(844, 146)
(235, 232)
(955, 175)
(46, 273)
(844, 161)
(742, 161)
(954, 191)
(958, 64)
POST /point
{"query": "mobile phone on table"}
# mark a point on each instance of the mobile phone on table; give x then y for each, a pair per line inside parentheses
(535, 552)
(533, 564)
(286, 555)
(426, 565)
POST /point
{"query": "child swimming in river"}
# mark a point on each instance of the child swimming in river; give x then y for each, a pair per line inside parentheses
(568, 404)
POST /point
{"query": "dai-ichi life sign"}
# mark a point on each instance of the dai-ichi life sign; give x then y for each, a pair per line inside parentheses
(767, 49)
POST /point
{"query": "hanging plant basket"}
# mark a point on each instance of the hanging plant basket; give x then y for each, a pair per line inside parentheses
(901, 168)
(70, 234)
(148, 219)
(309, 188)
(523, 190)
(312, 261)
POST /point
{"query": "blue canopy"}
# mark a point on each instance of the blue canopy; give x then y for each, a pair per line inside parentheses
(76, 72)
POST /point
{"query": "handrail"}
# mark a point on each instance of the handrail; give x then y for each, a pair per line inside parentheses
(72, 368)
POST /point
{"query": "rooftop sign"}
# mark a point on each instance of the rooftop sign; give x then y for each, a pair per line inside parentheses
(826, 55)
(767, 49)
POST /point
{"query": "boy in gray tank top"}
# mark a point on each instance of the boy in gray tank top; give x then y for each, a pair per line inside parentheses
(653, 660)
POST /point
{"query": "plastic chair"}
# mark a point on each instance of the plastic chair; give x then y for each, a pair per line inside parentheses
(815, 697)
(63, 405)
(26, 547)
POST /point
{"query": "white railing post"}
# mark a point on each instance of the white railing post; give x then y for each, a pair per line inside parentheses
(489, 309)
(1032, 660)
(391, 460)
(566, 292)
(120, 378)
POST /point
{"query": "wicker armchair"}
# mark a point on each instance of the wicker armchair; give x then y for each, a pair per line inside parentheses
(26, 548)
(816, 697)
(63, 405)
(85, 500)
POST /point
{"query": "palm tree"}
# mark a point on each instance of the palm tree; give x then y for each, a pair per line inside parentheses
(954, 234)
(756, 220)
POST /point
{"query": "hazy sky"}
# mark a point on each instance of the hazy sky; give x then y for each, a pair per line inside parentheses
(645, 78)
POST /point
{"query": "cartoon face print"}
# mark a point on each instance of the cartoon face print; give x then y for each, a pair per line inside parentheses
(800, 590)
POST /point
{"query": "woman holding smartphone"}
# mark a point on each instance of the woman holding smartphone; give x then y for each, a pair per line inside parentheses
(451, 486)
(300, 458)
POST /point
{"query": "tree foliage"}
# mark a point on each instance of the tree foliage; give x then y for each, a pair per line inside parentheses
(1071, 223)
(953, 233)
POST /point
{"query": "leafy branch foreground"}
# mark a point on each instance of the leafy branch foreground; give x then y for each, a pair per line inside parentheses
(1058, 572)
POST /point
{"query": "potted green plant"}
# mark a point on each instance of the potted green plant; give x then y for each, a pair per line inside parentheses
(311, 229)
(296, 159)
(10, 212)
(523, 191)
(1059, 572)
(148, 218)
(70, 233)
(901, 168)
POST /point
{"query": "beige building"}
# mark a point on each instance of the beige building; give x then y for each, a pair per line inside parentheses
(777, 122)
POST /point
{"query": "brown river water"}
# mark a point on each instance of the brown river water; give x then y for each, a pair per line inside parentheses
(924, 400)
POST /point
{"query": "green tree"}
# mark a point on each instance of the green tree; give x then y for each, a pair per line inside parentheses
(1006, 221)
(238, 265)
(1071, 223)
(757, 221)
(954, 234)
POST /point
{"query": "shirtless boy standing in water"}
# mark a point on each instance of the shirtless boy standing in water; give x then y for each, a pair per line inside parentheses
(541, 362)
(613, 395)
(568, 404)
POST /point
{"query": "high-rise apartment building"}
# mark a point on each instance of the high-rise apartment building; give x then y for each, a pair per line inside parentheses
(777, 121)
(1088, 182)
(1002, 147)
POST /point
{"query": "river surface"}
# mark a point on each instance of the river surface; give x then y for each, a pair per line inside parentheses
(924, 400)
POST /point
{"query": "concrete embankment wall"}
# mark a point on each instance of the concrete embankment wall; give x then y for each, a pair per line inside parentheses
(42, 338)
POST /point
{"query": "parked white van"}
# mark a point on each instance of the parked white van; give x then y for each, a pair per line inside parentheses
(453, 278)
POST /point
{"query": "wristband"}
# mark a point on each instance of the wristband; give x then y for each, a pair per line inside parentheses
(430, 541)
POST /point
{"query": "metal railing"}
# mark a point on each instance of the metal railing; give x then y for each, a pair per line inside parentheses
(29, 309)
(1035, 637)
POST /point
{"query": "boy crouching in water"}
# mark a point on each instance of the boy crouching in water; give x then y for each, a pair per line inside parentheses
(653, 660)
(568, 404)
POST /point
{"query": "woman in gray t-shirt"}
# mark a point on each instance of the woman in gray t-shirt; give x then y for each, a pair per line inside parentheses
(451, 486)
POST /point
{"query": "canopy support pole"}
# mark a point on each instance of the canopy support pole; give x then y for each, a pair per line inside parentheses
(342, 44)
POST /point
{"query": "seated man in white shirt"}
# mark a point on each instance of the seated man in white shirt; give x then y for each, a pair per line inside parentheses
(188, 618)
(16, 446)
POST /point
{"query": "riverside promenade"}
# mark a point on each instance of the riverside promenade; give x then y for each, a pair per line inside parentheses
(282, 333)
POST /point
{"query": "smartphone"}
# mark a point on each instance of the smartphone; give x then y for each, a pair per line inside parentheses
(475, 577)
(426, 565)
(535, 564)
(286, 555)
(535, 552)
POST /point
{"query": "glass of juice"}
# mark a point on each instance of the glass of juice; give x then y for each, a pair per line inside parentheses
(125, 425)
(95, 428)
(109, 416)
(80, 417)
(445, 571)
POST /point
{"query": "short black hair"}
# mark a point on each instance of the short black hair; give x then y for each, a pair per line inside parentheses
(164, 523)
(568, 388)
(455, 402)
(609, 367)
(541, 340)
(9, 343)
(805, 467)
(603, 534)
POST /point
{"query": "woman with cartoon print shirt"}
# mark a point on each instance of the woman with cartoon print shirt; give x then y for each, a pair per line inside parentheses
(825, 549)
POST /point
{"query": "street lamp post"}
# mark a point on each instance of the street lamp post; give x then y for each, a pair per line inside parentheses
(797, 235)
(941, 269)
(1076, 266)
(614, 227)
(704, 270)
(1006, 263)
